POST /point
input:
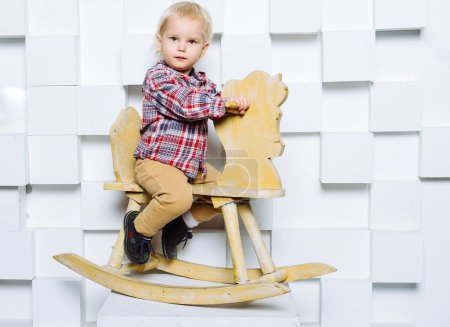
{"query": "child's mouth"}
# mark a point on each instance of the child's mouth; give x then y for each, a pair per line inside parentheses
(181, 58)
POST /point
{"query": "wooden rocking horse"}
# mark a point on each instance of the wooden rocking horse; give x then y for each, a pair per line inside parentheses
(248, 174)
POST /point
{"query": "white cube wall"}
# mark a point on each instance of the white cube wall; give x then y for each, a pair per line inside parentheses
(347, 158)
(353, 309)
(302, 110)
(50, 242)
(138, 54)
(52, 60)
(348, 55)
(54, 159)
(13, 117)
(97, 108)
(20, 260)
(56, 302)
(397, 257)
(254, 54)
(13, 208)
(294, 16)
(395, 106)
(434, 155)
(12, 18)
(392, 15)
(395, 205)
(52, 110)
(62, 19)
(14, 163)
(12, 62)
(237, 13)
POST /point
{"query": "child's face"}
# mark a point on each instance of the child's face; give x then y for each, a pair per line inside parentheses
(181, 44)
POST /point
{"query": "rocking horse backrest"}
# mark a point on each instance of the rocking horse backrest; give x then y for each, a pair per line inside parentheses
(124, 136)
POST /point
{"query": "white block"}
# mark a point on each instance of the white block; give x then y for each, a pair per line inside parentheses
(141, 16)
(13, 118)
(302, 110)
(347, 14)
(346, 302)
(20, 257)
(395, 205)
(397, 257)
(100, 62)
(97, 159)
(52, 60)
(12, 62)
(215, 9)
(347, 158)
(251, 260)
(138, 55)
(400, 14)
(396, 156)
(50, 242)
(12, 18)
(263, 212)
(395, 106)
(296, 57)
(434, 155)
(97, 248)
(399, 304)
(211, 62)
(120, 310)
(52, 17)
(101, 209)
(399, 56)
(54, 206)
(345, 107)
(207, 247)
(134, 97)
(306, 295)
(15, 302)
(14, 163)
(309, 203)
(97, 108)
(52, 110)
(237, 15)
(12, 202)
(54, 159)
(56, 302)
(348, 55)
(345, 249)
(294, 16)
(254, 54)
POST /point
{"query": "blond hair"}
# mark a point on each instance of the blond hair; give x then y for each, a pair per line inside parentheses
(189, 10)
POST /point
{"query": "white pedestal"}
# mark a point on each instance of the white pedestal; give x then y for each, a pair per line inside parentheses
(121, 311)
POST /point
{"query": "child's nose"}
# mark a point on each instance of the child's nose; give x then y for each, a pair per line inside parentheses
(181, 46)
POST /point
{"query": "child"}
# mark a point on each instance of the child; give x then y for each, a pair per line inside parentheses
(177, 102)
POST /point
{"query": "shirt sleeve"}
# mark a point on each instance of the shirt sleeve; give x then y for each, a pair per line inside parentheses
(179, 102)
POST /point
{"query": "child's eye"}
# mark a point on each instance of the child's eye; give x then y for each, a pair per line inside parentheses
(192, 41)
(173, 38)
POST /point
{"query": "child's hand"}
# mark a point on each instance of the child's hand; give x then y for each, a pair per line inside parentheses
(240, 105)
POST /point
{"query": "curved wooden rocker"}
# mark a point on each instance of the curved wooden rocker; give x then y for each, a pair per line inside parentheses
(248, 174)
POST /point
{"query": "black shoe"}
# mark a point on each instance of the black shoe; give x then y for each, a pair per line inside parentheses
(137, 246)
(173, 234)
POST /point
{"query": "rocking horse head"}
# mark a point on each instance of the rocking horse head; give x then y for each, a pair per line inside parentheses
(250, 141)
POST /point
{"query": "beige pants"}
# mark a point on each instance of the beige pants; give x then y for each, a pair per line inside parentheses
(171, 195)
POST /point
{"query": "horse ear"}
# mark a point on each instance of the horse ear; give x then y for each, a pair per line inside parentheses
(284, 94)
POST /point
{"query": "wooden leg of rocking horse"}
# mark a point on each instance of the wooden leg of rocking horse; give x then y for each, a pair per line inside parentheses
(115, 260)
(231, 219)
(264, 258)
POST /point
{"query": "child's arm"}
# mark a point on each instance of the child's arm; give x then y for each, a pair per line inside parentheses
(178, 102)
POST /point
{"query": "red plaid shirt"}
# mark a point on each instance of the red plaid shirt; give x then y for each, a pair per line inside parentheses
(175, 116)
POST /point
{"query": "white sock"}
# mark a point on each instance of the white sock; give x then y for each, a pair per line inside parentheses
(189, 219)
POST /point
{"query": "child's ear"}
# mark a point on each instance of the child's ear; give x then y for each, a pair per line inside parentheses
(158, 42)
(204, 50)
